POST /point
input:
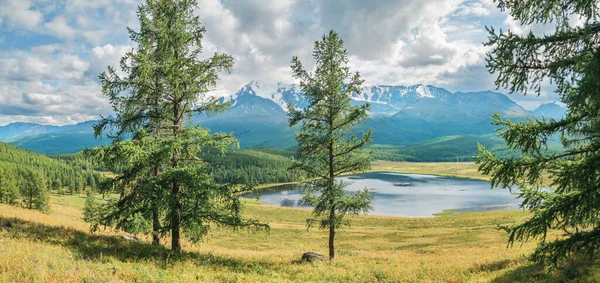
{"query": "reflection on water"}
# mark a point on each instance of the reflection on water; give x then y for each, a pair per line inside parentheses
(409, 195)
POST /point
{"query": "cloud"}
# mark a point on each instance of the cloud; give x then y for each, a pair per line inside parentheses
(44, 103)
(59, 27)
(58, 48)
(26, 66)
(371, 30)
(19, 14)
(479, 9)
(104, 56)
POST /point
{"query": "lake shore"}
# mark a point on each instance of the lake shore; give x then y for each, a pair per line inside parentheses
(449, 169)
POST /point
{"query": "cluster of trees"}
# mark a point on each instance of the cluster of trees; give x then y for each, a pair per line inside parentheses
(26, 178)
(252, 166)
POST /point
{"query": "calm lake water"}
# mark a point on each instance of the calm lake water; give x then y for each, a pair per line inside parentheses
(410, 195)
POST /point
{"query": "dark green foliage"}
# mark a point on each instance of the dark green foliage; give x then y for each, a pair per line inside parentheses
(90, 210)
(252, 166)
(9, 191)
(327, 148)
(571, 59)
(34, 191)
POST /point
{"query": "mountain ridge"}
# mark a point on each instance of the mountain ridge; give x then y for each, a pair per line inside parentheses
(384, 99)
(400, 116)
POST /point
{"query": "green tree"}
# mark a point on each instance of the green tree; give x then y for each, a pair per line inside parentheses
(166, 83)
(327, 146)
(570, 58)
(56, 185)
(90, 209)
(34, 191)
(9, 191)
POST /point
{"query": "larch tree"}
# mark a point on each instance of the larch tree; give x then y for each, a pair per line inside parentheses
(165, 85)
(327, 147)
(569, 58)
(34, 191)
(9, 191)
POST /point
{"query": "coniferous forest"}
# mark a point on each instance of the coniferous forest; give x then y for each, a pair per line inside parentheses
(27, 178)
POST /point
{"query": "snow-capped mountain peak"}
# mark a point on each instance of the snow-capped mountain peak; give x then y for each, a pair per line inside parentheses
(424, 91)
(384, 99)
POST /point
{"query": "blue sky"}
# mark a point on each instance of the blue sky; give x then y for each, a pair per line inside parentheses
(51, 51)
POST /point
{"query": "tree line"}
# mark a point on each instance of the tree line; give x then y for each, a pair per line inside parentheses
(27, 178)
(252, 166)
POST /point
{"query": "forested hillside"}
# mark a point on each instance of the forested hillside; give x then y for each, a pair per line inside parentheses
(27, 177)
(253, 166)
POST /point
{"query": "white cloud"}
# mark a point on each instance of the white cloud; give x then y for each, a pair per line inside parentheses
(44, 103)
(389, 42)
(480, 9)
(59, 27)
(18, 14)
(104, 56)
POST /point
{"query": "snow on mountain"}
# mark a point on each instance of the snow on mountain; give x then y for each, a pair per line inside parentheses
(280, 93)
(424, 91)
(384, 99)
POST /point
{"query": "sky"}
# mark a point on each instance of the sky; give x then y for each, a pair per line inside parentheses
(52, 51)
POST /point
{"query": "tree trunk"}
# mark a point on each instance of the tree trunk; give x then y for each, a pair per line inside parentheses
(331, 186)
(155, 216)
(155, 226)
(175, 219)
(175, 206)
(331, 235)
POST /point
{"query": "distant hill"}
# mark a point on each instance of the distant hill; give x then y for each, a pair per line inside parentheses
(19, 129)
(447, 149)
(551, 110)
(58, 143)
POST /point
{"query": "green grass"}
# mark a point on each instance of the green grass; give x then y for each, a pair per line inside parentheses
(463, 247)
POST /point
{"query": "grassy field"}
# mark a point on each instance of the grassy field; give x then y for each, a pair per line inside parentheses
(455, 169)
(467, 247)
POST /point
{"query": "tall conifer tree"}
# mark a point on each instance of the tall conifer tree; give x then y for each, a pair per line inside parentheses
(327, 146)
(166, 84)
(570, 58)
(34, 191)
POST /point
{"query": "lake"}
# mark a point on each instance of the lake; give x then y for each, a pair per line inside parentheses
(410, 195)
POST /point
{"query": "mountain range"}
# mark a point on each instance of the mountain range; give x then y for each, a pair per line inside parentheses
(399, 116)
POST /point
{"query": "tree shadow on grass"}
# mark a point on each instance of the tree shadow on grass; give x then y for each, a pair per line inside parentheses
(578, 270)
(100, 247)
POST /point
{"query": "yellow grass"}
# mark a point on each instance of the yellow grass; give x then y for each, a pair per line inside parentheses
(456, 169)
(57, 247)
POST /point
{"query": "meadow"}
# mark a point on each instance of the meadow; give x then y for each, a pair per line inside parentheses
(452, 247)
